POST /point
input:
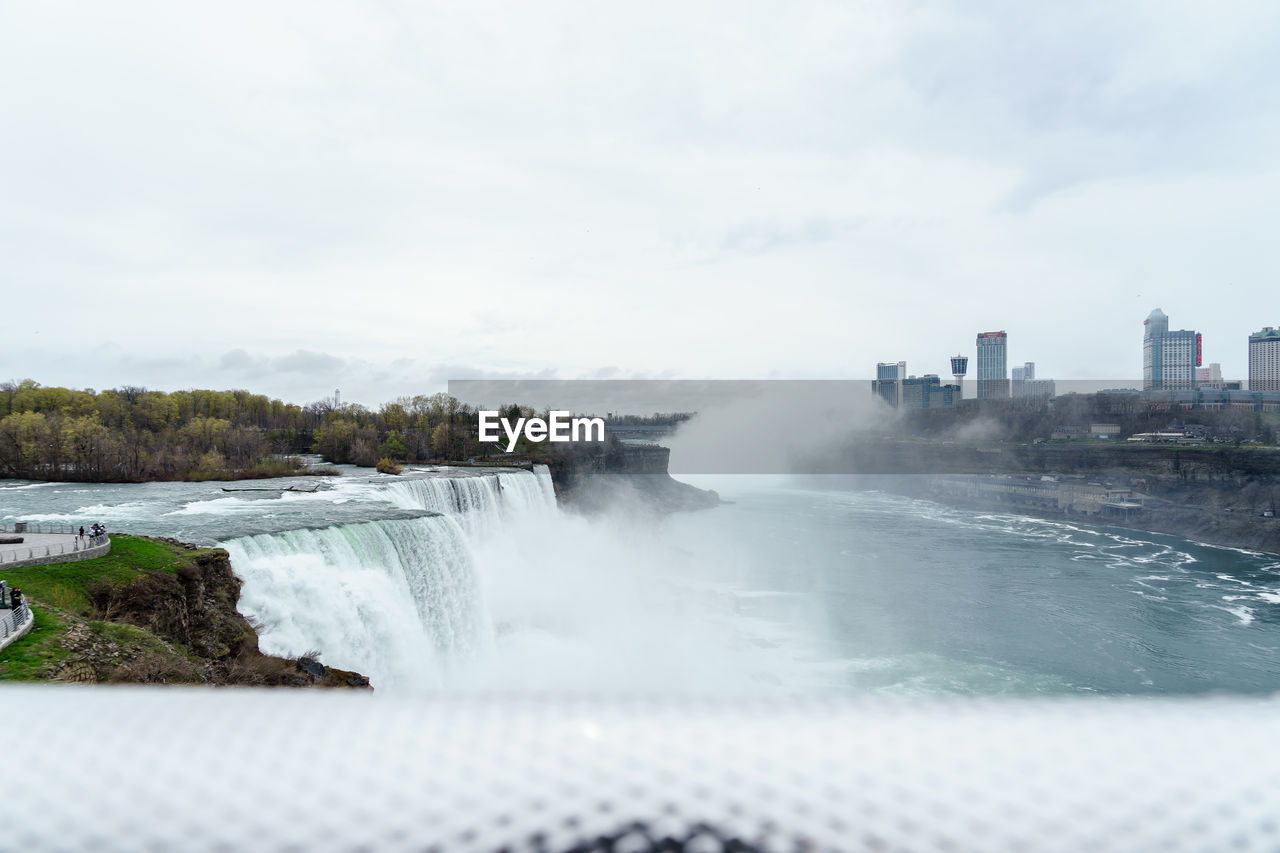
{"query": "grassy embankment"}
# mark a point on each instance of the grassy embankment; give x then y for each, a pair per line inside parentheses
(151, 611)
(60, 595)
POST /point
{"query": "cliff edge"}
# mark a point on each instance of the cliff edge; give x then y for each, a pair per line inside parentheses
(153, 611)
(1219, 494)
(590, 478)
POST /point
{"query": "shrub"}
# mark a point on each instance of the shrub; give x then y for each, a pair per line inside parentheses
(386, 466)
(277, 466)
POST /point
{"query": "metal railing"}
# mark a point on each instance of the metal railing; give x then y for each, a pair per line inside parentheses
(52, 550)
(12, 620)
(20, 527)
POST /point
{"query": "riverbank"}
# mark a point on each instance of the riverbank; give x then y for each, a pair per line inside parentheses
(1204, 513)
(153, 611)
(1218, 494)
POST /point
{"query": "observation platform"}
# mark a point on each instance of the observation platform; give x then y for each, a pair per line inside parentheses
(43, 548)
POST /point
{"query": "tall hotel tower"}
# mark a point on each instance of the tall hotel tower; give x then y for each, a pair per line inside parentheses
(888, 383)
(1169, 359)
(1264, 360)
(993, 378)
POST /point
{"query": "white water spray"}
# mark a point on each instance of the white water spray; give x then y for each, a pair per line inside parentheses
(398, 600)
(504, 591)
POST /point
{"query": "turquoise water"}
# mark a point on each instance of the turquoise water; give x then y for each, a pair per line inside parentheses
(918, 597)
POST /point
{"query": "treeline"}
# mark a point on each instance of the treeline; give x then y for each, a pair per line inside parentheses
(424, 428)
(656, 419)
(130, 434)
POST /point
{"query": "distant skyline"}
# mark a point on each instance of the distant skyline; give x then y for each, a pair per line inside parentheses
(299, 197)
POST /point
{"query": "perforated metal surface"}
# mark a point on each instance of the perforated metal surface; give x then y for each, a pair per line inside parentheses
(130, 769)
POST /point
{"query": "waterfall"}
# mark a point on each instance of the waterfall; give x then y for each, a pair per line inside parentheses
(478, 501)
(398, 600)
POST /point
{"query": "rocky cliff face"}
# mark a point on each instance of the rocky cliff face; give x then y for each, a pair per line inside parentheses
(589, 478)
(1210, 463)
(154, 611)
(195, 607)
(1216, 494)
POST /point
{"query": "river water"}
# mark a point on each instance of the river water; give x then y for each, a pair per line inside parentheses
(458, 580)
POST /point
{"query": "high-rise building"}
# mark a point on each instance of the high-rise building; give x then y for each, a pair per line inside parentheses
(888, 382)
(1025, 384)
(915, 391)
(1169, 359)
(1210, 377)
(928, 392)
(1264, 360)
(993, 378)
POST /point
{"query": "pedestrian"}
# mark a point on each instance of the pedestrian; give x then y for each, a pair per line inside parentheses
(82, 531)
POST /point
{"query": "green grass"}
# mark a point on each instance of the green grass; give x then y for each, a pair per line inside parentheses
(138, 641)
(57, 590)
(38, 651)
(149, 582)
(41, 651)
(65, 586)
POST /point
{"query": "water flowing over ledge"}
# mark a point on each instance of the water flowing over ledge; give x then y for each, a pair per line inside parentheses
(478, 500)
(399, 597)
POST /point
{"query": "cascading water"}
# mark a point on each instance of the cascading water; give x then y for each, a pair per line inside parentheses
(398, 600)
(501, 591)
(478, 501)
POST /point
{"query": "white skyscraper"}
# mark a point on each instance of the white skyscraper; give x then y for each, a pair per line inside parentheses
(993, 375)
(888, 382)
(1264, 360)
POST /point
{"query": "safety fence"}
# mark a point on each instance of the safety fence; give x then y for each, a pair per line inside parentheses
(21, 552)
(21, 527)
(12, 620)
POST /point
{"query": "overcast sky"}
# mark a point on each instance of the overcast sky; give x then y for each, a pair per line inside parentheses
(293, 197)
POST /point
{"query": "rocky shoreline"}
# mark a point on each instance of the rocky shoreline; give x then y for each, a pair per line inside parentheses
(1209, 522)
(1221, 495)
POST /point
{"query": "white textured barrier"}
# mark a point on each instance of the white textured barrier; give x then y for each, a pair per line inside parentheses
(154, 769)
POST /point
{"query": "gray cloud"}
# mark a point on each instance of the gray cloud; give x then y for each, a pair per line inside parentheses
(370, 195)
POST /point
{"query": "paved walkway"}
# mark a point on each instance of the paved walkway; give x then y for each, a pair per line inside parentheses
(56, 543)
